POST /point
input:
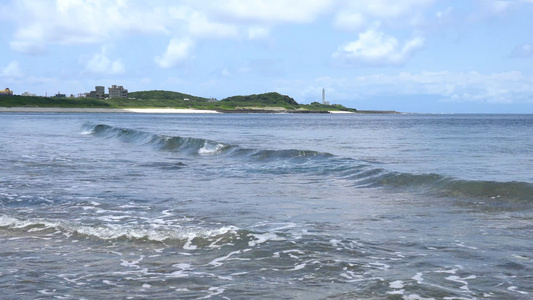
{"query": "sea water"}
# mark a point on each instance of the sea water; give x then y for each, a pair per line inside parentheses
(266, 206)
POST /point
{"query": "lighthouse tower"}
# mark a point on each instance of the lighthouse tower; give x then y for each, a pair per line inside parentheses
(324, 97)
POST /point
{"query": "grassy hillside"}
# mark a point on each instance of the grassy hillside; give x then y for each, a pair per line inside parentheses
(24, 101)
(164, 95)
(27, 101)
(163, 99)
(270, 99)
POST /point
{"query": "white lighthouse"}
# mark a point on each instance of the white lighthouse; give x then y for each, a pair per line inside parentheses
(324, 97)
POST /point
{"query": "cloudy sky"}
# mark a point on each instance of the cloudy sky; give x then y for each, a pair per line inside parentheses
(405, 55)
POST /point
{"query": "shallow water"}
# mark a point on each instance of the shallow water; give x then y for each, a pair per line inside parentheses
(266, 206)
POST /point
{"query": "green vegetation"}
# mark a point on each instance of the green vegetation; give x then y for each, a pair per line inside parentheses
(167, 99)
(27, 101)
(164, 95)
(329, 107)
(270, 99)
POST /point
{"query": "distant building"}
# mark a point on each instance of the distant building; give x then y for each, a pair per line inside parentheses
(7, 91)
(99, 92)
(324, 97)
(118, 92)
(59, 95)
(28, 94)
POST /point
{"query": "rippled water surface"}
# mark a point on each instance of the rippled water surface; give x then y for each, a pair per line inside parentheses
(267, 206)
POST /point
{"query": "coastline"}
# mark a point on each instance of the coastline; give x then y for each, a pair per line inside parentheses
(117, 110)
(104, 110)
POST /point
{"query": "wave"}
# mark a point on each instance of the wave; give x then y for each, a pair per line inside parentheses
(187, 237)
(357, 173)
(115, 231)
(194, 146)
(161, 142)
(440, 185)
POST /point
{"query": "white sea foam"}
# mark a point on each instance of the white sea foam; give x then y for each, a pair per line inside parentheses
(262, 238)
(380, 266)
(109, 283)
(179, 274)
(416, 297)
(87, 132)
(188, 245)
(515, 289)
(10, 222)
(214, 291)
(298, 267)
(398, 284)
(114, 231)
(183, 266)
(209, 148)
(462, 281)
(133, 263)
(47, 292)
(418, 278)
(218, 261)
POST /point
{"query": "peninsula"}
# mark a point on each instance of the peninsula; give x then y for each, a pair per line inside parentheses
(167, 101)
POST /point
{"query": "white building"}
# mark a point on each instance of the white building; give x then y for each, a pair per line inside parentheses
(324, 97)
(118, 92)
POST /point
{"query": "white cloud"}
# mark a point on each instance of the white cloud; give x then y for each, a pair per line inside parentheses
(349, 20)
(496, 7)
(525, 50)
(177, 52)
(392, 8)
(72, 22)
(12, 70)
(490, 8)
(255, 33)
(225, 72)
(446, 86)
(100, 63)
(352, 15)
(444, 13)
(68, 22)
(271, 11)
(199, 25)
(376, 48)
(505, 87)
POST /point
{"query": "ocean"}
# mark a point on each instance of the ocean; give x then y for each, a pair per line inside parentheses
(265, 206)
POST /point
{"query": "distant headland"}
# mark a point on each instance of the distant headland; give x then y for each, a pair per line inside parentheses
(165, 101)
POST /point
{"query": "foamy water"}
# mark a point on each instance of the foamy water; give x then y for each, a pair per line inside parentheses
(265, 206)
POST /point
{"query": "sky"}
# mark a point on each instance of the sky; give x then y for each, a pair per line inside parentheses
(423, 56)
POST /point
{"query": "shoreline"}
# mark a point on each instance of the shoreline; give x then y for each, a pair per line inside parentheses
(104, 110)
(117, 110)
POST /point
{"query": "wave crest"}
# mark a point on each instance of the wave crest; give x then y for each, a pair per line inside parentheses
(508, 192)
(187, 145)
(356, 173)
(116, 231)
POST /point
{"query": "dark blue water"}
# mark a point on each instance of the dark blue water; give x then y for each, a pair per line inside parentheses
(266, 206)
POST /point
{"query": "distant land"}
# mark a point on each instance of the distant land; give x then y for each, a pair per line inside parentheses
(268, 102)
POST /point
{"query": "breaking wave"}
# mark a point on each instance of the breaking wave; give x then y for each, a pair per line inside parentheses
(356, 173)
(191, 145)
(162, 142)
(115, 231)
(186, 237)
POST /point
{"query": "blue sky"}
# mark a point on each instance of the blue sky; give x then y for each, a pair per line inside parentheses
(405, 55)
